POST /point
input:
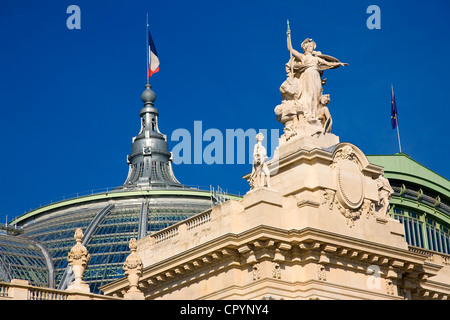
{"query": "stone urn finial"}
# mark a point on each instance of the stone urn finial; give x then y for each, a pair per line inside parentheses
(78, 258)
(133, 269)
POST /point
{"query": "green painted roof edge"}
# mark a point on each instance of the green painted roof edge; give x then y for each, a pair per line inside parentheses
(426, 177)
(110, 195)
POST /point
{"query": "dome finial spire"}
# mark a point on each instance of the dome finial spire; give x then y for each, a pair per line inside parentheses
(148, 96)
(150, 162)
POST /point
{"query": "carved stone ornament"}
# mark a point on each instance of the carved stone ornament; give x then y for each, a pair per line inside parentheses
(346, 153)
(349, 196)
(133, 261)
(321, 273)
(276, 270)
(133, 269)
(78, 254)
(328, 198)
(390, 286)
(368, 208)
(78, 258)
(256, 271)
(349, 214)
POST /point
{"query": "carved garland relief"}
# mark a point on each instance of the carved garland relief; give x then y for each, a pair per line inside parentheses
(349, 194)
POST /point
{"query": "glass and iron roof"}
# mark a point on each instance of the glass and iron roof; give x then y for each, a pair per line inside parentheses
(22, 258)
(107, 225)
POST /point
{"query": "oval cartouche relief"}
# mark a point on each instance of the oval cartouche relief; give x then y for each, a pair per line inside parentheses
(350, 184)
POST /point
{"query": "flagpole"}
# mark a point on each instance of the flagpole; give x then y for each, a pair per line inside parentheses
(148, 53)
(396, 120)
(398, 135)
(146, 36)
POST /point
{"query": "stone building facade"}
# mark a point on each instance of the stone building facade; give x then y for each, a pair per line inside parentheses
(318, 232)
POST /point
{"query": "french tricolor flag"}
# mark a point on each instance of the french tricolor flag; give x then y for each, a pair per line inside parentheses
(153, 63)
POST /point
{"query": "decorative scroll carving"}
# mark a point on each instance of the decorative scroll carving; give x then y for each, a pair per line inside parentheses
(321, 272)
(276, 270)
(390, 286)
(304, 202)
(346, 153)
(328, 198)
(256, 271)
(368, 208)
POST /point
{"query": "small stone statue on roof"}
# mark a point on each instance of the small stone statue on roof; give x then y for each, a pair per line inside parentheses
(324, 113)
(260, 176)
(385, 193)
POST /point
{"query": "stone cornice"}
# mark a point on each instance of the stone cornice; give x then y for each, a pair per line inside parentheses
(262, 243)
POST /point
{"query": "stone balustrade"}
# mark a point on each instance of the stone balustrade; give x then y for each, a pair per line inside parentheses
(188, 224)
(22, 290)
(432, 256)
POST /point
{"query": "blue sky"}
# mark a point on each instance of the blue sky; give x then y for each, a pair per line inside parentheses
(70, 99)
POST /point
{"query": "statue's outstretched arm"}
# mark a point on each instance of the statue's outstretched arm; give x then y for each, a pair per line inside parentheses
(332, 64)
(325, 62)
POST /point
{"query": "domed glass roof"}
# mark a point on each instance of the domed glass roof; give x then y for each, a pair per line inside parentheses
(150, 199)
(108, 225)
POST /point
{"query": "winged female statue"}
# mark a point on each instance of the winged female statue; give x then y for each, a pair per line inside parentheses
(305, 70)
